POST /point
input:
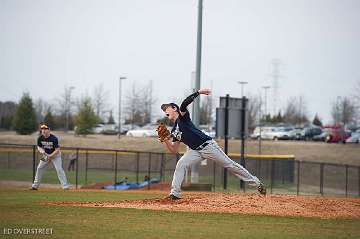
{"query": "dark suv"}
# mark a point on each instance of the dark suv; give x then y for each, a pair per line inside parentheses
(308, 133)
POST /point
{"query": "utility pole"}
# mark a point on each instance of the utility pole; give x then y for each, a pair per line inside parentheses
(119, 126)
(196, 113)
(196, 108)
(265, 113)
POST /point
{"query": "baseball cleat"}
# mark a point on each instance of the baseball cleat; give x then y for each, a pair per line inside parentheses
(32, 188)
(262, 189)
(172, 197)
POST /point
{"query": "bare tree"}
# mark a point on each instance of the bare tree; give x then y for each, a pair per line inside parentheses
(100, 99)
(132, 105)
(65, 105)
(254, 107)
(7, 112)
(296, 111)
(139, 104)
(343, 111)
(148, 102)
(206, 110)
(356, 97)
(41, 108)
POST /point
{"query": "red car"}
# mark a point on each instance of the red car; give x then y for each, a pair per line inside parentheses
(336, 134)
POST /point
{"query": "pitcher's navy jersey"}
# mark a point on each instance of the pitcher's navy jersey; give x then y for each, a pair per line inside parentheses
(185, 131)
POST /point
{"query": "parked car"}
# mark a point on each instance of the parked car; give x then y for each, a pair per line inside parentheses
(354, 138)
(126, 127)
(110, 129)
(336, 134)
(279, 133)
(145, 131)
(264, 130)
(308, 133)
(322, 136)
(98, 129)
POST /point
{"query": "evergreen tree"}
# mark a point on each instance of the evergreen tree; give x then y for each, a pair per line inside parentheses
(86, 118)
(25, 118)
(317, 121)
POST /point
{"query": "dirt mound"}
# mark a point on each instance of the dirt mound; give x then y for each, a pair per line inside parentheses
(275, 205)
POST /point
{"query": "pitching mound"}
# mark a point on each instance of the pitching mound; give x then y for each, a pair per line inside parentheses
(275, 205)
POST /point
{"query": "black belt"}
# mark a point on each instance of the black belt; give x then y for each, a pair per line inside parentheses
(203, 145)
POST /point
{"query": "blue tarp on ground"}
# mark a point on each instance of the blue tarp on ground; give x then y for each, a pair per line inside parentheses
(125, 186)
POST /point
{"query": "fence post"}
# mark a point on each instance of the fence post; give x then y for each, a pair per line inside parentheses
(137, 166)
(359, 181)
(346, 179)
(116, 159)
(298, 178)
(214, 174)
(77, 168)
(162, 165)
(86, 165)
(258, 167)
(33, 163)
(149, 169)
(242, 136)
(272, 169)
(226, 136)
(322, 179)
(283, 170)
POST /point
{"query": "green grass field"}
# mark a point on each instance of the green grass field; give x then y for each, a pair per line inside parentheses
(26, 209)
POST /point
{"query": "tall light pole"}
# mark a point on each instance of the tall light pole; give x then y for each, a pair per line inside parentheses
(242, 83)
(265, 88)
(68, 106)
(120, 79)
(196, 104)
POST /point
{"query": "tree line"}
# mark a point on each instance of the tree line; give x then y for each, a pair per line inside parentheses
(80, 114)
(84, 113)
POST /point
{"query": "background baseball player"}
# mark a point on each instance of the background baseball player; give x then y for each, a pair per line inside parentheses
(48, 146)
(200, 146)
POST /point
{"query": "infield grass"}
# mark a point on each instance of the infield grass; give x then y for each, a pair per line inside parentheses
(27, 209)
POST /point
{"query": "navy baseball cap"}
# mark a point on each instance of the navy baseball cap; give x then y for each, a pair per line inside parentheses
(173, 105)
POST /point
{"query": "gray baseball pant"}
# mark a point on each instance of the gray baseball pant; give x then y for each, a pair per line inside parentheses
(57, 162)
(213, 152)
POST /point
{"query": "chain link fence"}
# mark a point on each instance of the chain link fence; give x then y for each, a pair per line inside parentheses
(85, 166)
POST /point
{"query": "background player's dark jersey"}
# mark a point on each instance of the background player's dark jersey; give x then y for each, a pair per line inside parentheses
(49, 144)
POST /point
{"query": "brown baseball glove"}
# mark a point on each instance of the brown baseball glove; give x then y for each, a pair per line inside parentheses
(44, 157)
(163, 132)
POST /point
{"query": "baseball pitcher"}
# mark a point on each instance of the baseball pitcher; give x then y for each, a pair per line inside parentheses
(200, 146)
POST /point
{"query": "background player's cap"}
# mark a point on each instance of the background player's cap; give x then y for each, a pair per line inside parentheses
(164, 106)
(44, 126)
